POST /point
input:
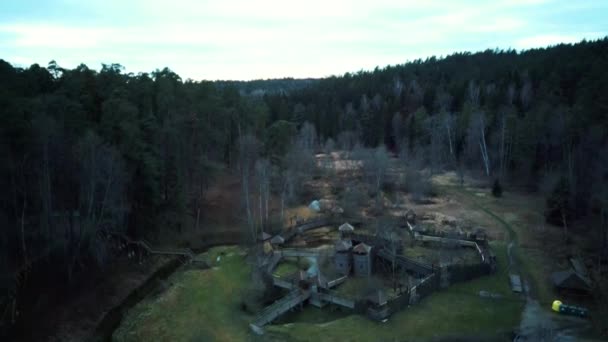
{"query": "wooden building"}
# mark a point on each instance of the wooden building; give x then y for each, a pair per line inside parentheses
(362, 260)
(571, 282)
(343, 256)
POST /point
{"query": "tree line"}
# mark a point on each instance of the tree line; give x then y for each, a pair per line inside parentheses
(536, 119)
(84, 151)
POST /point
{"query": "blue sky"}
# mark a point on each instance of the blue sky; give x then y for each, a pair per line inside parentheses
(248, 39)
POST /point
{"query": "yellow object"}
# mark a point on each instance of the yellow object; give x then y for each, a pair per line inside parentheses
(556, 305)
(267, 247)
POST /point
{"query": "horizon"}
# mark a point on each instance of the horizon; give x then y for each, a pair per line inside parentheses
(241, 41)
(45, 65)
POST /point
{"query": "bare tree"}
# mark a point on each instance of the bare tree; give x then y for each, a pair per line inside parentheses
(525, 96)
(449, 123)
(330, 146)
(248, 154)
(307, 137)
(375, 164)
(477, 137)
(473, 94)
(397, 87)
(397, 125)
(417, 180)
(347, 140)
(436, 137)
(102, 194)
(263, 175)
(298, 167)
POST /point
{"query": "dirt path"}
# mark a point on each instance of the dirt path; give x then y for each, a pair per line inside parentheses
(537, 323)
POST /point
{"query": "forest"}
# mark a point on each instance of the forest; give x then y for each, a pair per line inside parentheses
(85, 151)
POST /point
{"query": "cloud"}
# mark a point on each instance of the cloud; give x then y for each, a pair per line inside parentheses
(269, 38)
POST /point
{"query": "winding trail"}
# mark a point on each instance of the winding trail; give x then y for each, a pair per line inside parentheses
(537, 324)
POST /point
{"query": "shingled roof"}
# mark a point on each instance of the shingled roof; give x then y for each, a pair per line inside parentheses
(343, 245)
(346, 227)
(362, 248)
(264, 236)
(570, 280)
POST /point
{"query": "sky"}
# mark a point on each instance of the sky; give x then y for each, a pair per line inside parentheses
(253, 39)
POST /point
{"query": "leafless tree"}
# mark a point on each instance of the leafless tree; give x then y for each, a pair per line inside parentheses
(102, 194)
(347, 140)
(307, 137)
(526, 94)
(415, 94)
(436, 148)
(398, 128)
(299, 166)
(477, 137)
(263, 176)
(364, 104)
(417, 180)
(473, 94)
(248, 154)
(330, 146)
(449, 123)
(375, 165)
(377, 102)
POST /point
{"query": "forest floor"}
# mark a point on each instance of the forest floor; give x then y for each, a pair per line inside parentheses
(77, 317)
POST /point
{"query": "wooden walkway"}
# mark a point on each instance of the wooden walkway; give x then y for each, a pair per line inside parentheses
(268, 314)
(143, 244)
(299, 252)
(302, 227)
(273, 261)
(332, 297)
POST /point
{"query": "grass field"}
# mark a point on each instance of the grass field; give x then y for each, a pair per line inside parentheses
(204, 305)
(198, 305)
(456, 311)
(520, 216)
(289, 266)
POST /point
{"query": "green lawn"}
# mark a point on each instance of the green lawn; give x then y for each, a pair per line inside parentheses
(204, 305)
(199, 305)
(518, 214)
(289, 266)
(457, 310)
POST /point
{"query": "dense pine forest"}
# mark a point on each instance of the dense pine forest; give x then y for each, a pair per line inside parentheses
(83, 151)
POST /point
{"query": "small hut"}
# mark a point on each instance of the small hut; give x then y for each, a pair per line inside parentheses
(362, 260)
(346, 230)
(342, 258)
(571, 282)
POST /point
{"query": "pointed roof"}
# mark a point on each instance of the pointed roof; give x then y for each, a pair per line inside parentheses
(264, 236)
(570, 280)
(346, 227)
(579, 266)
(362, 248)
(277, 240)
(343, 245)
